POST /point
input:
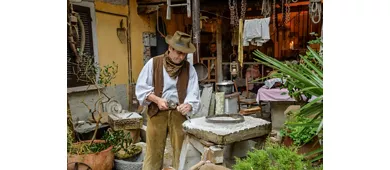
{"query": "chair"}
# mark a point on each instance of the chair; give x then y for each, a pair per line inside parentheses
(249, 102)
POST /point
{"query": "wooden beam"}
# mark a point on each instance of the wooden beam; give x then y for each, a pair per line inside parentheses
(146, 9)
(151, 2)
(278, 10)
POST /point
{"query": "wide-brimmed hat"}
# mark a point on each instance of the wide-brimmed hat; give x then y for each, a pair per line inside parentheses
(181, 41)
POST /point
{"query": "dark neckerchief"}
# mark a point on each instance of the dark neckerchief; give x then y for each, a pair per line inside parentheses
(172, 68)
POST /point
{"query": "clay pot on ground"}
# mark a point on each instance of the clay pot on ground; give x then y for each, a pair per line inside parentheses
(96, 161)
(304, 149)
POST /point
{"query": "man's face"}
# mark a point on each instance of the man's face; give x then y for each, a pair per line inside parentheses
(213, 48)
(176, 56)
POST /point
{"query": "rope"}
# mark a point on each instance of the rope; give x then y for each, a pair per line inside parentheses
(315, 9)
(274, 12)
(266, 8)
(243, 9)
(232, 9)
(287, 12)
(282, 10)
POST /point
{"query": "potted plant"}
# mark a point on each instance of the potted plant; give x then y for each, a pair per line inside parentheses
(304, 81)
(94, 154)
(304, 138)
(121, 141)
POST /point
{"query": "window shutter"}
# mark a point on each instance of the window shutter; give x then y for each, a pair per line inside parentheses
(85, 16)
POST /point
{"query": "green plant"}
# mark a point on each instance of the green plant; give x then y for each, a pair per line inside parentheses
(298, 134)
(119, 140)
(122, 143)
(273, 157)
(86, 70)
(303, 80)
(87, 148)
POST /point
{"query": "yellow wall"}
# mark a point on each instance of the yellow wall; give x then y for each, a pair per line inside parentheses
(139, 24)
(147, 23)
(109, 46)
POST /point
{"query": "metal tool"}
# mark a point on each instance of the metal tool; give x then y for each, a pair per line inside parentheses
(173, 105)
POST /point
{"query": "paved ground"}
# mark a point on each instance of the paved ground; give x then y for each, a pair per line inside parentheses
(168, 154)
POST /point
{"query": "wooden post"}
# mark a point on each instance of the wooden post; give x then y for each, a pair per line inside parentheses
(219, 51)
(196, 28)
(129, 62)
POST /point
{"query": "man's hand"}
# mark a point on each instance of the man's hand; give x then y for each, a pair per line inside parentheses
(184, 108)
(162, 104)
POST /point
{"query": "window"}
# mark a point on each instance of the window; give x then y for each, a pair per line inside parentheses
(72, 79)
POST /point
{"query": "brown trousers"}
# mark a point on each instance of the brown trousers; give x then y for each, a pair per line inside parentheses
(156, 134)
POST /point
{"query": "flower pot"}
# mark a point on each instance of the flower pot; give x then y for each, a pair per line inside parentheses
(306, 148)
(97, 161)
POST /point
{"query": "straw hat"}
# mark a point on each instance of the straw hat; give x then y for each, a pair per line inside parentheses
(181, 41)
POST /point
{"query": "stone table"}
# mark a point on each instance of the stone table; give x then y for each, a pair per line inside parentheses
(210, 140)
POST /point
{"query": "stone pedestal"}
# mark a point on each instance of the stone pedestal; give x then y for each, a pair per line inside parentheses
(130, 122)
(212, 141)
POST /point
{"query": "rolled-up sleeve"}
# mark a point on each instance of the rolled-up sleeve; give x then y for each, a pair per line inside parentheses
(144, 85)
(192, 97)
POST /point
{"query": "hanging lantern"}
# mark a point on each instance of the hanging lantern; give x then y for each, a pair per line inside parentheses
(291, 45)
(234, 68)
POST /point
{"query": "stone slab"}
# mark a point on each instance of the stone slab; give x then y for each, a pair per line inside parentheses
(212, 105)
(86, 128)
(205, 101)
(226, 133)
(219, 103)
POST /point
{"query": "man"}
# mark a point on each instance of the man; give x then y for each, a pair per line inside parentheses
(168, 77)
(252, 73)
(213, 49)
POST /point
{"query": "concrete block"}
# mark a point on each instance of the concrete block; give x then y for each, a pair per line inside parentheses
(240, 149)
(216, 154)
(125, 121)
(278, 117)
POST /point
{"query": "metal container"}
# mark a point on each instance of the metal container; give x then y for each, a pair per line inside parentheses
(225, 86)
(231, 103)
(201, 71)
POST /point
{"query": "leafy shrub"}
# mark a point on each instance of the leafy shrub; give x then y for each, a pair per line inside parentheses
(273, 157)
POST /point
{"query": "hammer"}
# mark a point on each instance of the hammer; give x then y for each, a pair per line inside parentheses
(173, 105)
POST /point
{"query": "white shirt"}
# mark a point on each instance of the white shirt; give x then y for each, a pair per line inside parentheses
(144, 87)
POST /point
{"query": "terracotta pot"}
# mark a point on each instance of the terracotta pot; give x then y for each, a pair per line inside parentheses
(306, 148)
(97, 161)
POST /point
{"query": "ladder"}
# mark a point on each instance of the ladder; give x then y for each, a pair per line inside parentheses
(170, 5)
